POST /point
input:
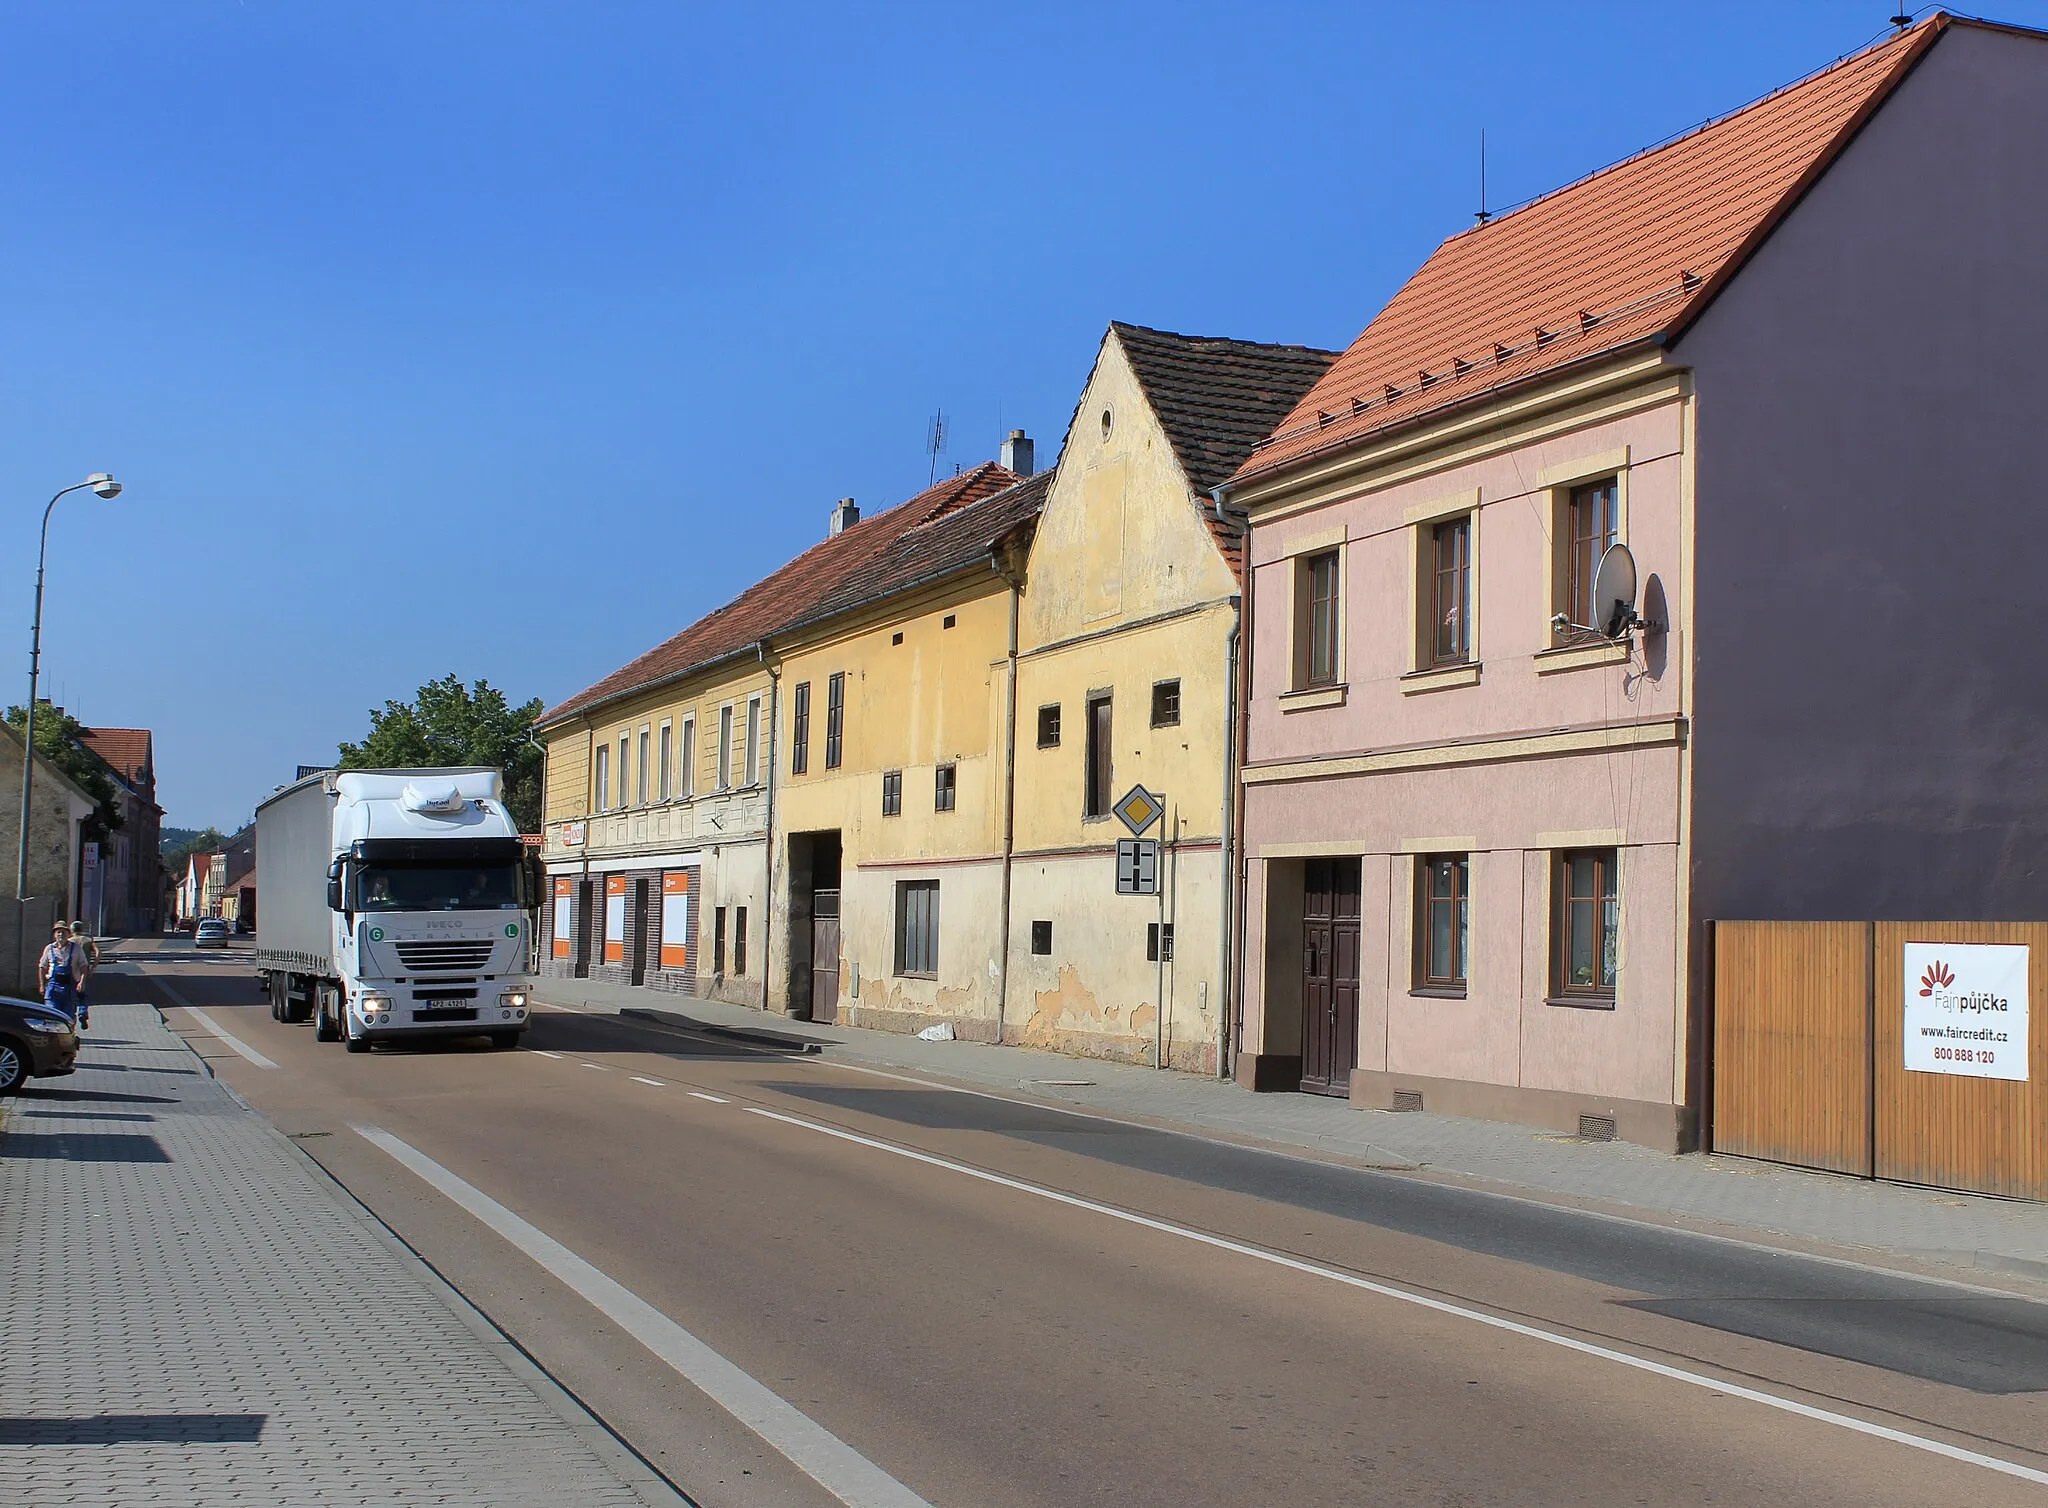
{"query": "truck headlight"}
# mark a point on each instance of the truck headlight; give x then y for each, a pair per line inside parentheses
(368, 1005)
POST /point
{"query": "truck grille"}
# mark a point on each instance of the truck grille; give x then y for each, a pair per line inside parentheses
(438, 957)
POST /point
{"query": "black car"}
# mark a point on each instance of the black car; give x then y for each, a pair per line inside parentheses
(36, 1041)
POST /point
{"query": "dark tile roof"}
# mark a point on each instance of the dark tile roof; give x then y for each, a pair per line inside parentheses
(1633, 251)
(1216, 399)
(126, 750)
(792, 594)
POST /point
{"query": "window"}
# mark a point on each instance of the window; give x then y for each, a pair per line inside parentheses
(835, 719)
(1317, 628)
(1442, 922)
(892, 793)
(1588, 925)
(752, 761)
(1158, 936)
(725, 748)
(1590, 524)
(625, 762)
(1041, 938)
(640, 795)
(1449, 639)
(895, 639)
(1097, 797)
(739, 943)
(917, 927)
(1166, 704)
(1049, 726)
(668, 753)
(604, 777)
(718, 942)
(945, 784)
(950, 620)
(689, 756)
(800, 732)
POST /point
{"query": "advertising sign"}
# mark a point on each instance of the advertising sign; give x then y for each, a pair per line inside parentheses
(675, 919)
(614, 918)
(564, 915)
(1966, 1009)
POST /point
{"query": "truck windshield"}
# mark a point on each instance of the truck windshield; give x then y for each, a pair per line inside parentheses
(452, 888)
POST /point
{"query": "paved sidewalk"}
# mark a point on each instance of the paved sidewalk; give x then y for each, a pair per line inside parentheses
(194, 1315)
(1731, 1195)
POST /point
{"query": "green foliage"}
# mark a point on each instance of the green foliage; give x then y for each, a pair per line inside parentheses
(189, 842)
(60, 739)
(450, 724)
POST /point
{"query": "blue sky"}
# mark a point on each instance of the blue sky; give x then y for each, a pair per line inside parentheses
(508, 338)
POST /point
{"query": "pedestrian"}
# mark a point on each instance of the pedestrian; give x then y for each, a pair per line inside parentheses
(61, 970)
(90, 951)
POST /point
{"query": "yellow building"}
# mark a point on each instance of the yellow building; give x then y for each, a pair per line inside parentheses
(1127, 642)
(903, 746)
(659, 796)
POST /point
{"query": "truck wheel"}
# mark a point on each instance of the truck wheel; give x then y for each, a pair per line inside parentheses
(325, 1027)
(273, 986)
(296, 1012)
(501, 1041)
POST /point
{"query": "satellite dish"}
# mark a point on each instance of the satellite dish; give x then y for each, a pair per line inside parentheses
(1614, 592)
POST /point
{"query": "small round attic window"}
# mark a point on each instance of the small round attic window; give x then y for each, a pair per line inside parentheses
(1106, 424)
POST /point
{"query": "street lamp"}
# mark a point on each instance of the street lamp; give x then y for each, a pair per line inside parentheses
(103, 484)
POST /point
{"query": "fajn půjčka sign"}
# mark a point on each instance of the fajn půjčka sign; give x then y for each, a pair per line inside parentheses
(1966, 1009)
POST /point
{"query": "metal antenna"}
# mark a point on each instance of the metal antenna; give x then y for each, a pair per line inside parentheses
(935, 443)
(1484, 214)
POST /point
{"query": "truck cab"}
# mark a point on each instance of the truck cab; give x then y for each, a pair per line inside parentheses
(429, 893)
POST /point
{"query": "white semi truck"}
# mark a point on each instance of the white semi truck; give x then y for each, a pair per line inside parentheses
(393, 905)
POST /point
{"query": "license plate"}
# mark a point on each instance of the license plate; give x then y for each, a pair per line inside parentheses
(444, 1003)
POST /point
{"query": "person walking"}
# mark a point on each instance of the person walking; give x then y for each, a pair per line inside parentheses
(61, 970)
(89, 952)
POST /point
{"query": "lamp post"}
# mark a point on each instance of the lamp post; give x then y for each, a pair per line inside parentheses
(103, 484)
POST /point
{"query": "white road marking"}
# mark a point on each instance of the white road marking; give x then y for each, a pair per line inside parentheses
(216, 1028)
(598, 1066)
(821, 1455)
(655, 1082)
(546, 1054)
(1440, 1306)
(698, 1094)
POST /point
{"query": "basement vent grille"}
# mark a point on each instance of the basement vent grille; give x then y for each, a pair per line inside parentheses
(1596, 1128)
(1407, 1099)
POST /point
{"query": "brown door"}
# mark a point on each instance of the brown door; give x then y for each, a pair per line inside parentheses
(1329, 975)
(639, 933)
(587, 921)
(825, 955)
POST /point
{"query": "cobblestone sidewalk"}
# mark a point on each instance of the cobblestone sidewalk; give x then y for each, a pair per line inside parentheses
(193, 1315)
(1731, 1194)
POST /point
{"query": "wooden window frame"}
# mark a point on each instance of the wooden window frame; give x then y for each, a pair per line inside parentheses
(665, 779)
(687, 750)
(739, 942)
(601, 779)
(1166, 703)
(1450, 591)
(1319, 620)
(1426, 982)
(725, 726)
(625, 760)
(1041, 939)
(1049, 725)
(750, 762)
(945, 787)
(644, 787)
(800, 730)
(917, 929)
(1098, 764)
(835, 720)
(1607, 893)
(892, 793)
(1576, 565)
(718, 942)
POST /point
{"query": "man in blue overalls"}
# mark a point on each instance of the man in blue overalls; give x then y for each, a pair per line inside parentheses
(61, 970)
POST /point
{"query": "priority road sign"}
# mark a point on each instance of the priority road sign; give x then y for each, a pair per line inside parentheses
(1137, 866)
(1139, 809)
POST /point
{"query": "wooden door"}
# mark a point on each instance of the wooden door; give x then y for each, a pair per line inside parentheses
(825, 955)
(587, 923)
(639, 932)
(1329, 975)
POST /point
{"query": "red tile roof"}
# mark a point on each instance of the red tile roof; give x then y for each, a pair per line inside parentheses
(126, 750)
(1634, 251)
(787, 596)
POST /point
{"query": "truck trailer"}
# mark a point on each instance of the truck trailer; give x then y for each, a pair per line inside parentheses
(393, 905)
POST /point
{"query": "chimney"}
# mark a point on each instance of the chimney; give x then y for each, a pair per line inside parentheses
(844, 512)
(1018, 453)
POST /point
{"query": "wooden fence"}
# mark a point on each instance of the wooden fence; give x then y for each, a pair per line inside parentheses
(1810, 1050)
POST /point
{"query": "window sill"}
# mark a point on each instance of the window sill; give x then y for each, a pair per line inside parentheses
(915, 974)
(1582, 1002)
(1437, 992)
(1314, 696)
(1582, 656)
(1440, 678)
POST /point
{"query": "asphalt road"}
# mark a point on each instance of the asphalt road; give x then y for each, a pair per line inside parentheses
(978, 1301)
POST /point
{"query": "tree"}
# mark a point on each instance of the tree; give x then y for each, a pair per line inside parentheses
(450, 724)
(60, 739)
(206, 840)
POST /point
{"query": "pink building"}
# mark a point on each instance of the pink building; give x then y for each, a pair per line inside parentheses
(1480, 843)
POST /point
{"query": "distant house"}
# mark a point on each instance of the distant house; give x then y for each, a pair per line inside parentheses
(130, 895)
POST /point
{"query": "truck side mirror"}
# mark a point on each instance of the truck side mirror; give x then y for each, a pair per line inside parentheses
(334, 886)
